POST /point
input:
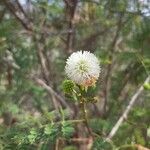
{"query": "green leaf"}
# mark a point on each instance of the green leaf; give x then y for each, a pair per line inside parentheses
(32, 136)
(67, 129)
(147, 86)
(50, 129)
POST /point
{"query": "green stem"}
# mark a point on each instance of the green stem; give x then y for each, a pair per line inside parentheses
(83, 108)
(126, 146)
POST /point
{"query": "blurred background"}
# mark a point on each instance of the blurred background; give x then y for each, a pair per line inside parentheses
(36, 37)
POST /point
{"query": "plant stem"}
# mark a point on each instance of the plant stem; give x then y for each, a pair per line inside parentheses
(83, 108)
(127, 146)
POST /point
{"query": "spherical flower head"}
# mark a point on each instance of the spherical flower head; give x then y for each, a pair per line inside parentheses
(83, 68)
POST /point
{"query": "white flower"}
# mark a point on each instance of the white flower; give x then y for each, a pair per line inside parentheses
(83, 68)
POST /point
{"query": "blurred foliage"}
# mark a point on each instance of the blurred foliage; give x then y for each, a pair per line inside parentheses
(35, 39)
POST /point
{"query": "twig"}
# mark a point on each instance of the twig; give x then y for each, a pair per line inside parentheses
(59, 143)
(86, 142)
(21, 9)
(2, 14)
(42, 60)
(51, 91)
(127, 110)
(92, 38)
(83, 108)
(11, 9)
(137, 146)
(71, 9)
(140, 126)
(90, 1)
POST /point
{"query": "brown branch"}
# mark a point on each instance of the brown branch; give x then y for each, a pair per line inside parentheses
(127, 110)
(42, 60)
(40, 47)
(84, 143)
(132, 146)
(10, 7)
(110, 65)
(70, 13)
(123, 91)
(45, 69)
(51, 91)
(2, 13)
(89, 41)
(47, 60)
(42, 57)
(22, 10)
(124, 84)
(90, 1)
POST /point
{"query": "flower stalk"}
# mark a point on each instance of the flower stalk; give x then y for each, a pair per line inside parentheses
(84, 115)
